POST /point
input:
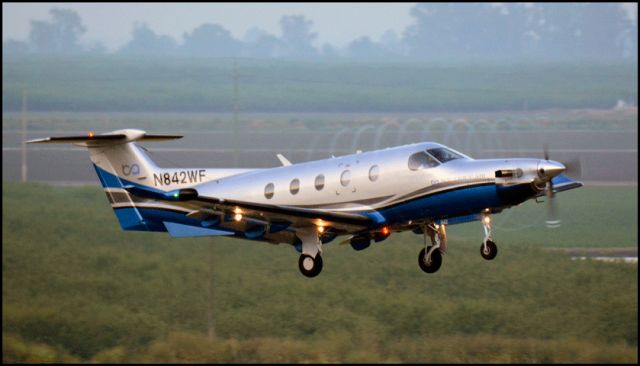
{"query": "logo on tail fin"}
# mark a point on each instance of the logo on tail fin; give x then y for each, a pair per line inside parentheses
(130, 169)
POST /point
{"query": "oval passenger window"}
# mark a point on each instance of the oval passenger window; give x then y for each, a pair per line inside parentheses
(294, 187)
(319, 182)
(374, 171)
(345, 178)
(268, 190)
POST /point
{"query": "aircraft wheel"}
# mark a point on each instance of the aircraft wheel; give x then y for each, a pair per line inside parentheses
(490, 252)
(310, 266)
(434, 263)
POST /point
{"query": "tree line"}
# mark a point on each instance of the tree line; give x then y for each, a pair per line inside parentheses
(438, 31)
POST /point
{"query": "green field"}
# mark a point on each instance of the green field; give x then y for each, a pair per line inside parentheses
(124, 84)
(77, 289)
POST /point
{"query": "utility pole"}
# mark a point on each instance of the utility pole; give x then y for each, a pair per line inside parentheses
(236, 107)
(211, 328)
(24, 136)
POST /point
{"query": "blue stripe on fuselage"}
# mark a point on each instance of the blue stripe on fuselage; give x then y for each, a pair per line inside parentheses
(458, 202)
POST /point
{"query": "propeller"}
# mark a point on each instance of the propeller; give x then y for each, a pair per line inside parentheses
(552, 217)
(552, 211)
(573, 168)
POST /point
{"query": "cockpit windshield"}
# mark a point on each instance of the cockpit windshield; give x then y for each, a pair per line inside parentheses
(443, 154)
(421, 160)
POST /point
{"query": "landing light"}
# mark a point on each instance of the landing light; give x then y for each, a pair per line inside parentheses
(91, 134)
(487, 220)
(237, 217)
(321, 229)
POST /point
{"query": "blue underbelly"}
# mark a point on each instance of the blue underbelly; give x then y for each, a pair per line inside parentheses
(458, 202)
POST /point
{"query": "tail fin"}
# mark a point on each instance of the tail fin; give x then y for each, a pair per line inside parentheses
(120, 163)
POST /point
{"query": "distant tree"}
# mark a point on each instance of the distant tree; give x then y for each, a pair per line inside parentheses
(147, 43)
(499, 30)
(297, 37)
(364, 48)
(12, 47)
(506, 35)
(392, 43)
(441, 30)
(60, 35)
(602, 28)
(259, 43)
(210, 40)
(630, 40)
(581, 30)
(329, 52)
(97, 48)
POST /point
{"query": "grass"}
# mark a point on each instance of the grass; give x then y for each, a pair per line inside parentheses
(123, 84)
(76, 288)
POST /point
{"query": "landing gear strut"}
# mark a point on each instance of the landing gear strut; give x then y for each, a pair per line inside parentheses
(430, 258)
(488, 249)
(310, 262)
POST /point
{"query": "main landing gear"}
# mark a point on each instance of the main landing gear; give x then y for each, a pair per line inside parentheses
(310, 262)
(310, 266)
(488, 249)
(430, 258)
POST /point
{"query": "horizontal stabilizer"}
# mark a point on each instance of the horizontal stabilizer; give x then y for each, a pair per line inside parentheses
(186, 231)
(77, 139)
(91, 139)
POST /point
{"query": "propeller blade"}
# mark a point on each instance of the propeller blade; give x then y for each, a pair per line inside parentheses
(574, 167)
(546, 151)
(552, 211)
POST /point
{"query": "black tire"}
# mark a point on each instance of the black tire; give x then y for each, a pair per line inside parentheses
(491, 252)
(435, 263)
(316, 263)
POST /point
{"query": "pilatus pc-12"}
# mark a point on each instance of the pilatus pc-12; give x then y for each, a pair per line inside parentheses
(363, 197)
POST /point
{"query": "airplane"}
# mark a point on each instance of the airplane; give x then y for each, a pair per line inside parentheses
(366, 196)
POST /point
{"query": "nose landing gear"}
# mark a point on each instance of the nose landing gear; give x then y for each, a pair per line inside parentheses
(488, 249)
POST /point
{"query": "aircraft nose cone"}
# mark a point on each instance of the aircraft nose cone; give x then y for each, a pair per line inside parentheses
(550, 168)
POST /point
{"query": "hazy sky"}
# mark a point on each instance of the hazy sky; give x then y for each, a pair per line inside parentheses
(335, 23)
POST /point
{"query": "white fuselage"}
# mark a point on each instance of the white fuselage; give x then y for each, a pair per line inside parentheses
(359, 182)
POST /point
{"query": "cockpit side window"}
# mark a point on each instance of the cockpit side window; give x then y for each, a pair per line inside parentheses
(422, 160)
(444, 155)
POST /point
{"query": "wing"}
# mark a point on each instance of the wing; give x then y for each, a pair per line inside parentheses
(296, 217)
(216, 212)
